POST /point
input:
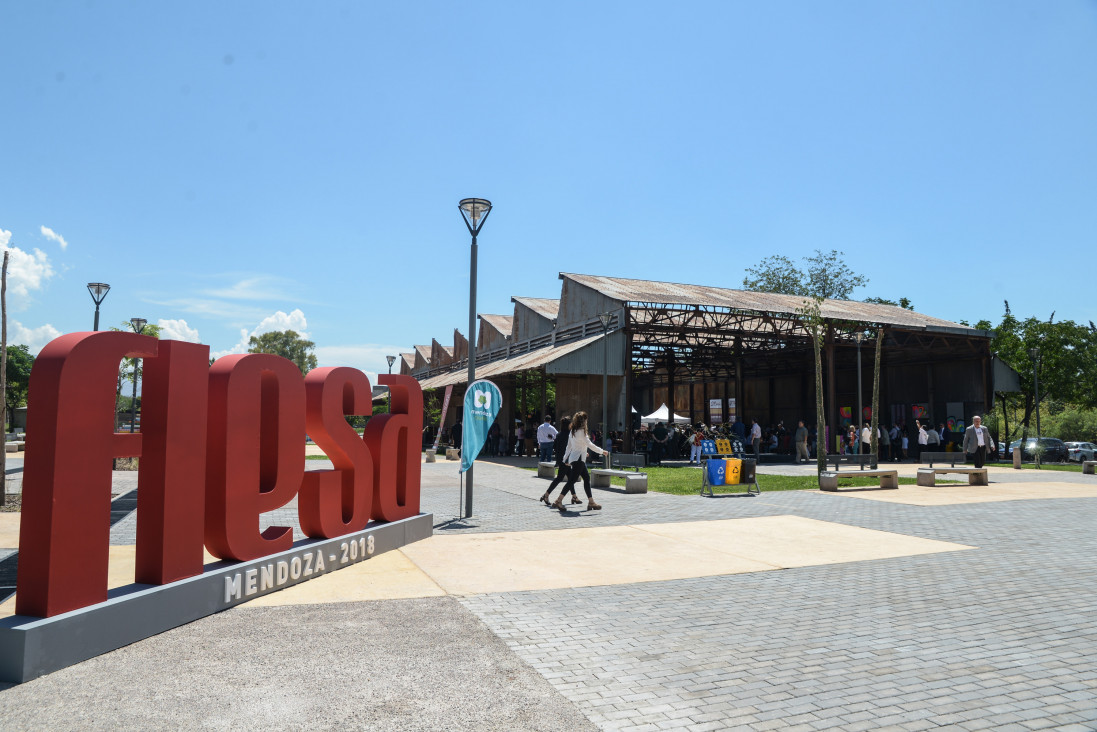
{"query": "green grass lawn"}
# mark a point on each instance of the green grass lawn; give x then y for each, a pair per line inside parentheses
(687, 481)
(1064, 467)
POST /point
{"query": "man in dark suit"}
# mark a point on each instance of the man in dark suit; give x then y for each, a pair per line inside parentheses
(977, 440)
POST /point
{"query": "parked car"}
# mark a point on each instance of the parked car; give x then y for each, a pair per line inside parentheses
(1079, 451)
(1053, 449)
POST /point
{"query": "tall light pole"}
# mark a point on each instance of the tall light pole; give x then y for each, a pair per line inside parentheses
(475, 211)
(138, 325)
(859, 337)
(390, 359)
(605, 318)
(98, 291)
(1035, 353)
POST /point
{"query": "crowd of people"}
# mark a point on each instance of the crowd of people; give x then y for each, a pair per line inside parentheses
(677, 442)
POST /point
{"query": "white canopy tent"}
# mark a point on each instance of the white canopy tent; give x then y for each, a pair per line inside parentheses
(662, 414)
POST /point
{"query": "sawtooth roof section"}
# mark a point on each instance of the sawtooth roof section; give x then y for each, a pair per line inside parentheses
(423, 354)
(529, 360)
(501, 323)
(408, 363)
(669, 293)
(545, 307)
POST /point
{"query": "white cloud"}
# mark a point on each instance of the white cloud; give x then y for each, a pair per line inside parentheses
(280, 320)
(177, 330)
(294, 321)
(263, 287)
(26, 271)
(33, 338)
(54, 236)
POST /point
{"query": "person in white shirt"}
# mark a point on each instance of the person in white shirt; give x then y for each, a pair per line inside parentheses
(923, 440)
(756, 439)
(977, 440)
(866, 439)
(578, 444)
(546, 433)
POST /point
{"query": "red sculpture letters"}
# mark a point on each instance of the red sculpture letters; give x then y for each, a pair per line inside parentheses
(219, 445)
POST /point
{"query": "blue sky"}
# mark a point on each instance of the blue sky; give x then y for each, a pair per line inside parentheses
(237, 167)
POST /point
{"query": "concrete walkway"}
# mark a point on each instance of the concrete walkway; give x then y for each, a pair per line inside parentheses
(790, 610)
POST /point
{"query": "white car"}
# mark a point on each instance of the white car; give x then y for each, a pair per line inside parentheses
(1079, 451)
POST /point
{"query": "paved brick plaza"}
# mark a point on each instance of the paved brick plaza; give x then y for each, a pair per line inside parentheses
(999, 636)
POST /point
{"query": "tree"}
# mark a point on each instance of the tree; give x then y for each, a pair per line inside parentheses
(775, 274)
(827, 276)
(904, 302)
(1067, 362)
(129, 370)
(18, 378)
(288, 344)
(817, 328)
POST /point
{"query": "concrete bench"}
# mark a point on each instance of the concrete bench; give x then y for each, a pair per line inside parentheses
(546, 470)
(888, 479)
(862, 460)
(975, 476)
(452, 453)
(635, 482)
(943, 457)
(627, 460)
(1088, 467)
(14, 446)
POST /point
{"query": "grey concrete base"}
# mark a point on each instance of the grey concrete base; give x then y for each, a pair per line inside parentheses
(546, 470)
(975, 476)
(1088, 467)
(31, 647)
(634, 482)
(889, 479)
(452, 453)
(432, 456)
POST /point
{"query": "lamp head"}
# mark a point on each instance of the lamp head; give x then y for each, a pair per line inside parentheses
(98, 291)
(605, 318)
(390, 359)
(138, 324)
(475, 211)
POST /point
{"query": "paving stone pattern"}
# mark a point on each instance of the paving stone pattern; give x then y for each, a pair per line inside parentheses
(1001, 637)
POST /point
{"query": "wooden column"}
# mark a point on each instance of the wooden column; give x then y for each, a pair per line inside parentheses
(831, 408)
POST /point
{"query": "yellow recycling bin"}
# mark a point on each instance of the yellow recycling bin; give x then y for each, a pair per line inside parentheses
(732, 471)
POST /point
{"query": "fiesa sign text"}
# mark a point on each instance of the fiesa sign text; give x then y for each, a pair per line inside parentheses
(219, 445)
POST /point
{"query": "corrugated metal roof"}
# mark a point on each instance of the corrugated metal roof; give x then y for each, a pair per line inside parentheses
(545, 307)
(424, 351)
(529, 360)
(501, 323)
(668, 293)
(409, 359)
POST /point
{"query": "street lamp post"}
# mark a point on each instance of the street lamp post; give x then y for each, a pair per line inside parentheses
(475, 212)
(98, 291)
(1035, 353)
(859, 337)
(138, 325)
(390, 359)
(605, 318)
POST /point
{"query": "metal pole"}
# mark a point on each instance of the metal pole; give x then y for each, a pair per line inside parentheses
(472, 366)
(133, 402)
(96, 327)
(1036, 385)
(605, 389)
(860, 412)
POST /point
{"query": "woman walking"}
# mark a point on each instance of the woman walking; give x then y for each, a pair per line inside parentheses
(560, 448)
(578, 444)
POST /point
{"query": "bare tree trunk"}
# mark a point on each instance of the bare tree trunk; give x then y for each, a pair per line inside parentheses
(821, 440)
(875, 442)
(4, 379)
